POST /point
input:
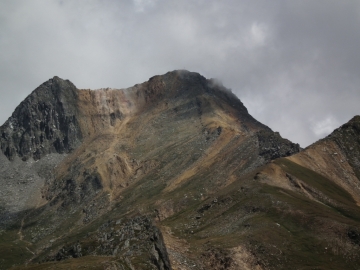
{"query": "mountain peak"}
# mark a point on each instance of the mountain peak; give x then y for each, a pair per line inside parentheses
(353, 122)
(134, 178)
(43, 123)
(347, 137)
(48, 120)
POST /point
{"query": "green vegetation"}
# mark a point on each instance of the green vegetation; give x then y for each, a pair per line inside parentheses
(12, 250)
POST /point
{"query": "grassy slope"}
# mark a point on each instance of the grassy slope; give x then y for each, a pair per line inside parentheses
(279, 227)
(246, 213)
(12, 250)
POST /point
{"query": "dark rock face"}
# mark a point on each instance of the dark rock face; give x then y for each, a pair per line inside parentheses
(272, 145)
(123, 239)
(189, 85)
(45, 122)
(347, 138)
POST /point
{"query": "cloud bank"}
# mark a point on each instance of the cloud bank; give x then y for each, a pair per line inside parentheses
(294, 64)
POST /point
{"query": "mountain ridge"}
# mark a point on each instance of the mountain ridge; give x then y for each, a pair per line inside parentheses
(169, 174)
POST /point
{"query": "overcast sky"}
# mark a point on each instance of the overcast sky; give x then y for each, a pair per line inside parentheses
(295, 64)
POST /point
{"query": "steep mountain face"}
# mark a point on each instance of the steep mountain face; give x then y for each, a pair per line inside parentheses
(172, 173)
(45, 122)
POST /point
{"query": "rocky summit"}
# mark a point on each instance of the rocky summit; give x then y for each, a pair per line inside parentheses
(173, 173)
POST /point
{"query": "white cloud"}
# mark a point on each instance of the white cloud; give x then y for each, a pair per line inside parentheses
(143, 5)
(257, 34)
(325, 126)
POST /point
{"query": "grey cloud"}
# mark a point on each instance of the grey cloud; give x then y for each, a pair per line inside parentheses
(294, 64)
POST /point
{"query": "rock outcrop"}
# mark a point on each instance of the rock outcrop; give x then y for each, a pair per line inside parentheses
(45, 122)
(272, 145)
(347, 137)
(122, 239)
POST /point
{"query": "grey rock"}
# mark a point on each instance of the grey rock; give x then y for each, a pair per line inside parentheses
(45, 122)
(272, 145)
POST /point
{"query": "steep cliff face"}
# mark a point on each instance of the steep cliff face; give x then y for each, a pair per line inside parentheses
(45, 122)
(173, 173)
